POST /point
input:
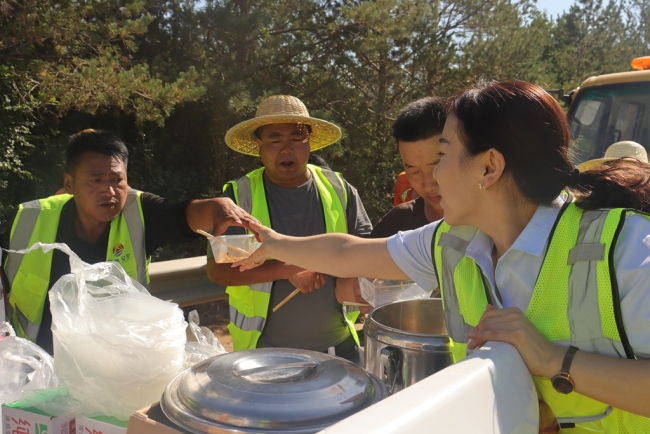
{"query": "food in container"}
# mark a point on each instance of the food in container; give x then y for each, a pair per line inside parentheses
(379, 291)
(231, 248)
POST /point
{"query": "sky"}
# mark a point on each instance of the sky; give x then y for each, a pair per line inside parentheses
(554, 7)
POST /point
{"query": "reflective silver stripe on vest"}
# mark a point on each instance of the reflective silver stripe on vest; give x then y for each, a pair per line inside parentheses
(135, 225)
(245, 201)
(337, 185)
(583, 308)
(454, 244)
(30, 329)
(585, 419)
(22, 234)
(586, 252)
(458, 244)
(245, 193)
(245, 323)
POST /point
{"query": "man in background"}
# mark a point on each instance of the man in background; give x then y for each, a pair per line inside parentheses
(417, 131)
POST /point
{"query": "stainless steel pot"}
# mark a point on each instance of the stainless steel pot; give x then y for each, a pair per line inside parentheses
(269, 390)
(406, 341)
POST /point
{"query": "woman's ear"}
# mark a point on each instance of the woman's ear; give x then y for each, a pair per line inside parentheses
(494, 166)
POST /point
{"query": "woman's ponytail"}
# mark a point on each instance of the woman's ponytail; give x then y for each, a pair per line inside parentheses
(622, 183)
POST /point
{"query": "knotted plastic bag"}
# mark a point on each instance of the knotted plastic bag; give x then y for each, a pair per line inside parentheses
(206, 344)
(24, 366)
(115, 346)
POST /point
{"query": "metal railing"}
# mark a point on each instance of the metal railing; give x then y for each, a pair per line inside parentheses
(184, 281)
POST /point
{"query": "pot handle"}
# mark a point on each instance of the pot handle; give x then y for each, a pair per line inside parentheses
(391, 366)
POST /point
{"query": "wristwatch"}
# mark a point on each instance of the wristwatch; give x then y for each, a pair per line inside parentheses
(563, 382)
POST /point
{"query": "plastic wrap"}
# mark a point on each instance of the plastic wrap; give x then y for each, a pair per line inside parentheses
(378, 292)
(206, 344)
(115, 346)
(24, 366)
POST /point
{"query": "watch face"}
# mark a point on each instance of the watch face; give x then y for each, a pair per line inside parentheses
(562, 384)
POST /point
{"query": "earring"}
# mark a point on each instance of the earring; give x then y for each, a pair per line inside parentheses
(481, 185)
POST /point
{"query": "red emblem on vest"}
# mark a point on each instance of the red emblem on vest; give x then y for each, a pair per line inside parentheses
(118, 250)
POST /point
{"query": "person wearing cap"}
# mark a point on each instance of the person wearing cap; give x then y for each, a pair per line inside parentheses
(101, 219)
(299, 199)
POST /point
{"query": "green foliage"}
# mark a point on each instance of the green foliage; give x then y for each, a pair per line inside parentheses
(591, 39)
(15, 131)
(77, 55)
(172, 76)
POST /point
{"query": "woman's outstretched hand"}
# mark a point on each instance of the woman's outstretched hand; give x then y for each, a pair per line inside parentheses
(264, 235)
(510, 325)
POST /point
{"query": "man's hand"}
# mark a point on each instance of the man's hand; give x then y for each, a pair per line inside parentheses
(308, 281)
(347, 289)
(216, 215)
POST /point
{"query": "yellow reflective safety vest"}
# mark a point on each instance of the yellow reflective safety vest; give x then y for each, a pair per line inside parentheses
(575, 302)
(249, 305)
(29, 275)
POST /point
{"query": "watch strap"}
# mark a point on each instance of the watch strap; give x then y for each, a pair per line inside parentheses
(568, 358)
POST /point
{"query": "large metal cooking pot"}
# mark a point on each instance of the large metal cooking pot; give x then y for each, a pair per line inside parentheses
(269, 390)
(406, 341)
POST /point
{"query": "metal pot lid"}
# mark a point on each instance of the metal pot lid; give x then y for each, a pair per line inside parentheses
(269, 389)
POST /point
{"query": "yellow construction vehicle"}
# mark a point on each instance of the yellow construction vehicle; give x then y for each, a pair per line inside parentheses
(608, 108)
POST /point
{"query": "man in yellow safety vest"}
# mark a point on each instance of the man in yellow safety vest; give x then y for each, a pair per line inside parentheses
(101, 219)
(295, 198)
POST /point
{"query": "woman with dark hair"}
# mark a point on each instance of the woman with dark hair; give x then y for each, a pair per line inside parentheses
(531, 251)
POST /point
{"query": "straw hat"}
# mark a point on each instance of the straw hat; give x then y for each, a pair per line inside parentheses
(280, 109)
(618, 150)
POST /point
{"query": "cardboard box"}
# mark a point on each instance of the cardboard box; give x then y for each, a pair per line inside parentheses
(100, 425)
(151, 420)
(19, 418)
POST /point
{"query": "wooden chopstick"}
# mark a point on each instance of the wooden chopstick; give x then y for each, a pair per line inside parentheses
(354, 303)
(287, 298)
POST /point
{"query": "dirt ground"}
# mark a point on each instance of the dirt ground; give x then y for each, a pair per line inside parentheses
(215, 316)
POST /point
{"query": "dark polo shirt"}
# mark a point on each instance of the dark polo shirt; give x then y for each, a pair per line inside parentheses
(404, 217)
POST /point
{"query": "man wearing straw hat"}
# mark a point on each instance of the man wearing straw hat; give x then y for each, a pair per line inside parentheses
(295, 198)
(624, 149)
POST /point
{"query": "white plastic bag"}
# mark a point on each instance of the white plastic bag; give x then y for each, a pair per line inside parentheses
(206, 345)
(115, 346)
(24, 366)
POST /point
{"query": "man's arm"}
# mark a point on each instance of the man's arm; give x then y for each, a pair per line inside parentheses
(216, 215)
(224, 274)
(305, 280)
(168, 223)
